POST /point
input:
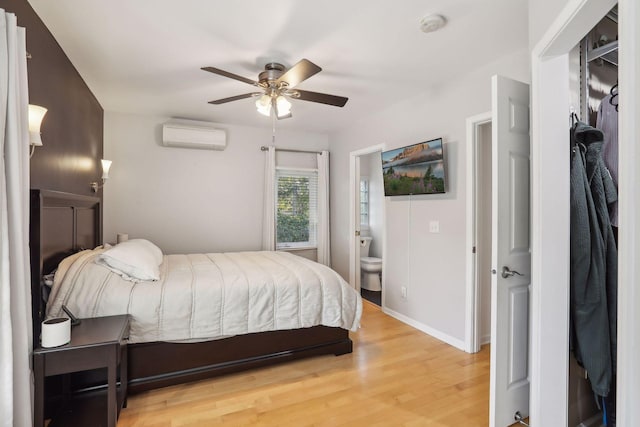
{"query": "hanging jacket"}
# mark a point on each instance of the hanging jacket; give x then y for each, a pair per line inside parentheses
(607, 122)
(605, 195)
(593, 260)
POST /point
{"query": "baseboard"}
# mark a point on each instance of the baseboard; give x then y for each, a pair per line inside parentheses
(459, 344)
(485, 340)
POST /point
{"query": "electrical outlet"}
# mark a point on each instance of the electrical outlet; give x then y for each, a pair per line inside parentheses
(434, 226)
(403, 291)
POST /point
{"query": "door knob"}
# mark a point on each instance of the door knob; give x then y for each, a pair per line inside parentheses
(506, 273)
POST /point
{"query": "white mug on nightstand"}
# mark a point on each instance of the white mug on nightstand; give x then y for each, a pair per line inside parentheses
(56, 332)
(122, 237)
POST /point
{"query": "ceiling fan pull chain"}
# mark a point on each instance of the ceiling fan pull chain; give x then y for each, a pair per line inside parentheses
(273, 127)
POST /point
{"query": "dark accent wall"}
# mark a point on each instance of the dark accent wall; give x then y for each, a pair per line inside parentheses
(72, 130)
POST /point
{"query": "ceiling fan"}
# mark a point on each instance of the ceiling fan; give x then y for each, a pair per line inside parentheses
(277, 84)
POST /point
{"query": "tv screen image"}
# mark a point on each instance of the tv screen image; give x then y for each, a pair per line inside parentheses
(414, 169)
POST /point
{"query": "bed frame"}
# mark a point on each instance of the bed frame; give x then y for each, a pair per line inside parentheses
(64, 223)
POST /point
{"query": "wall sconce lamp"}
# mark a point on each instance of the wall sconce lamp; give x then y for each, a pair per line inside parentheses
(36, 114)
(106, 165)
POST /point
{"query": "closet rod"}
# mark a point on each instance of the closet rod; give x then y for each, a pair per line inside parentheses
(289, 150)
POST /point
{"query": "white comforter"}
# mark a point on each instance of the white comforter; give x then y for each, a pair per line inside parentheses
(206, 296)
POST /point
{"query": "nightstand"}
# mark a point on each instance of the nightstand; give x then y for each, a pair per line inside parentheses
(99, 342)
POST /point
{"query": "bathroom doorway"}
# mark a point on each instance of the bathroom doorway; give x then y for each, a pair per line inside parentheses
(479, 230)
(366, 270)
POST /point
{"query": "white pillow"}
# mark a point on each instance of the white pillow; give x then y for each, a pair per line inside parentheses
(134, 260)
(153, 249)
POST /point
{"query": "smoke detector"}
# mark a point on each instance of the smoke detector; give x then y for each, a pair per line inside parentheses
(431, 23)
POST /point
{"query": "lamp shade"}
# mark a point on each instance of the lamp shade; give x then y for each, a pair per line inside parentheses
(36, 114)
(106, 165)
(263, 104)
(284, 106)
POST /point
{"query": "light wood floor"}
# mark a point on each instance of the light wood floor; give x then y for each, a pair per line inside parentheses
(396, 376)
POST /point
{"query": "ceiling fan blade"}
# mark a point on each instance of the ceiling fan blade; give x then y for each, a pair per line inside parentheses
(299, 73)
(322, 98)
(288, 116)
(234, 98)
(230, 75)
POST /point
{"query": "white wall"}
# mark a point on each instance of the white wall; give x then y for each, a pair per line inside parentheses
(189, 200)
(431, 266)
(542, 13)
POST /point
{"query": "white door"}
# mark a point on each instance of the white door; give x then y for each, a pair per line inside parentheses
(357, 223)
(511, 255)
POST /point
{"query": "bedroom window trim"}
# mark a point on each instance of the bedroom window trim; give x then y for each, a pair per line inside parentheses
(312, 175)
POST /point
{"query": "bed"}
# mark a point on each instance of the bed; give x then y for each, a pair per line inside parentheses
(66, 227)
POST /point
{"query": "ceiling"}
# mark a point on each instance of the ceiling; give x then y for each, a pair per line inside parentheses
(144, 56)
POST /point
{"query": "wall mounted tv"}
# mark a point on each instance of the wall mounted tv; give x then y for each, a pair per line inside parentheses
(414, 169)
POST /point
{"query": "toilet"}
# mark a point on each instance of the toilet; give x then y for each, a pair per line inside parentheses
(371, 267)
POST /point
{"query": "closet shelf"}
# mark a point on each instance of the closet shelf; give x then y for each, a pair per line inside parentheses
(608, 52)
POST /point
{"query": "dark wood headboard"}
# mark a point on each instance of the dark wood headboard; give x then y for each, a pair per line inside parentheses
(60, 225)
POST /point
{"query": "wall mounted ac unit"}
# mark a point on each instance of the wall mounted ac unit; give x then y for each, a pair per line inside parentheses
(193, 134)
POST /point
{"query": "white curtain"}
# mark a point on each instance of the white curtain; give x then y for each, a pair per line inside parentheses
(324, 241)
(269, 209)
(15, 289)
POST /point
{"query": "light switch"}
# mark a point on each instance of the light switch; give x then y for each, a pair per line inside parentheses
(434, 226)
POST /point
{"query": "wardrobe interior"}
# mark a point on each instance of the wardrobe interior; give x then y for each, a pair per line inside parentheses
(594, 102)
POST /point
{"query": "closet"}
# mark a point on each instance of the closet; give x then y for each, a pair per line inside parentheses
(593, 302)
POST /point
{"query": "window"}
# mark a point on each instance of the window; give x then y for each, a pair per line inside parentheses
(364, 203)
(297, 208)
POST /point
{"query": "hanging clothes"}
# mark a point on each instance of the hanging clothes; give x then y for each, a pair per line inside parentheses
(607, 122)
(593, 256)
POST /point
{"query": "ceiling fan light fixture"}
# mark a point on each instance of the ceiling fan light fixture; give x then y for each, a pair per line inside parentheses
(265, 111)
(263, 104)
(284, 106)
(278, 84)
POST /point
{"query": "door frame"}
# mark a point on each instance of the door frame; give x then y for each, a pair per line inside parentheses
(354, 197)
(629, 214)
(550, 211)
(472, 321)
